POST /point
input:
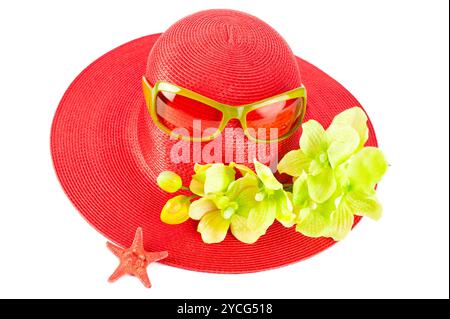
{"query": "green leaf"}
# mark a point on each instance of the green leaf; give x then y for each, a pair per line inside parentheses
(364, 205)
(366, 168)
(311, 223)
(262, 215)
(242, 232)
(266, 176)
(357, 119)
(343, 142)
(294, 163)
(341, 222)
(200, 207)
(213, 227)
(218, 177)
(322, 186)
(313, 140)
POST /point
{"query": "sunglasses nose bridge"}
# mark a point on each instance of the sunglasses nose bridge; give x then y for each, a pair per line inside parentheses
(233, 112)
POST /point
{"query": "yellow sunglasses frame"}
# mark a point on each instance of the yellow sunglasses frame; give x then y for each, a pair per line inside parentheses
(228, 112)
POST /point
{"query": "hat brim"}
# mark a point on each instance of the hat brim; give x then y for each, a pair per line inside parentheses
(97, 153)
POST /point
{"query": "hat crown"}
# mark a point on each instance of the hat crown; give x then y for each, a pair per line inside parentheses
(226, 55)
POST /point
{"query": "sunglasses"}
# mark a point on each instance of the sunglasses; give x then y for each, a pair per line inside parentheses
(175, 110)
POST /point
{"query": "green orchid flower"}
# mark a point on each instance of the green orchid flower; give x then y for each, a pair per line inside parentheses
(322, 151)
(312, 218)
(217, 211)
(357, 179)
(355, 195)
(211, 178)
(334, 178)
(273, 202)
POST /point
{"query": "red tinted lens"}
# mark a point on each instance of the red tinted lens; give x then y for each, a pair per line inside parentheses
(281, 117)
(186, 116)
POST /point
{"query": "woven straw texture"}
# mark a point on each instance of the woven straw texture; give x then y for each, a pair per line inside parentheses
(108, 153)
(229, 56)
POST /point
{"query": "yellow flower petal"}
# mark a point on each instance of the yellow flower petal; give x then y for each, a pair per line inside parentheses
(244, 170)
(313, 140)
(242, 232)
(201, 168)
(341, 222)
(294, 163)
(366, 168)
(322, 186)
(357, 119)
(284, 208)
(201, 207)
(266, 176)
(311, 223)
(218, 178)
(213, 227)
(364, 205)
(300, 194)
(343, 143)
(262, 215)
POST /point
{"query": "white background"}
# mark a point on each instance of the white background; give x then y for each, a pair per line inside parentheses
(392, 55)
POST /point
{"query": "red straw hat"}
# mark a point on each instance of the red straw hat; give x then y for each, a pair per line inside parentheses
(107, 152)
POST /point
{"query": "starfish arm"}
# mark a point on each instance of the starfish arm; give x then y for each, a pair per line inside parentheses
(119, 272)
(155, 256)
(134, 260)
(116, 250)
(143, 277)
(138, 242)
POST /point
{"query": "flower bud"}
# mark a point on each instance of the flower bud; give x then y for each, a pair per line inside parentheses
(176, 210)
(169, 181)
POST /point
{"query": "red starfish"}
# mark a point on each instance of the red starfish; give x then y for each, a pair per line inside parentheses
(134, 260)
